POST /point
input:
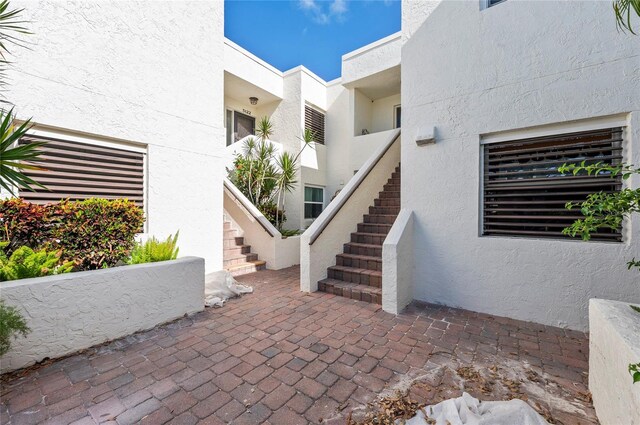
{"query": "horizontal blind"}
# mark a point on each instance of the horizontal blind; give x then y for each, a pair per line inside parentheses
(314, 121)
(79, 171)
(525, 195)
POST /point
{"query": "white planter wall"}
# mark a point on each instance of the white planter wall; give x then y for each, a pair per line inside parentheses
(614, 343)
(129, 72)
(470, 72)
(74, 311)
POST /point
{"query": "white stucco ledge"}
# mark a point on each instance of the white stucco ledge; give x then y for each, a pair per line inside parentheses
(397, 264)
(74, 311)
(614, 343)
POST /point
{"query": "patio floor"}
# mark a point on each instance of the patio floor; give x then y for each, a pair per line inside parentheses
(283, 357)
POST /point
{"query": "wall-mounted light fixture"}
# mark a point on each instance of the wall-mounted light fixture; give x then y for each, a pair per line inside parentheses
(253, 100)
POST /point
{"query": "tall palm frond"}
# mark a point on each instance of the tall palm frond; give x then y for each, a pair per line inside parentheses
(11, 28)
(12, 158)
(264, 130)
(624, 11)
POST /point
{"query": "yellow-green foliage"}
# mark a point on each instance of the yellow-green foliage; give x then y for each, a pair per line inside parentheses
(25, 263)
(154, 250)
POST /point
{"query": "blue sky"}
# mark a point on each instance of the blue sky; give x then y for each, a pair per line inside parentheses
(313, 33)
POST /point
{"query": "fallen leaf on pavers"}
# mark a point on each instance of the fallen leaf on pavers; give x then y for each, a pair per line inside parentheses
(532, 376)
(388, 410)
(469, 373)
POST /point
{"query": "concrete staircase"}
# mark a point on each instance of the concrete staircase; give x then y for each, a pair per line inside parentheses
(237, 257)
(358, 270)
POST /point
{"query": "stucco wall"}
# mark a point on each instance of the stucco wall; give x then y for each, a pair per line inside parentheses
(614, 343)
(470, 72)
(130, 71)
(74, 311)
(372, 58)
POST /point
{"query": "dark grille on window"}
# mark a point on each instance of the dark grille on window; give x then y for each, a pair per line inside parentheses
(79, 171)
(314, 121)
(525, 195)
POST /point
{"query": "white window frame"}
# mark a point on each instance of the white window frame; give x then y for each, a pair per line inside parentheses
(305, 202)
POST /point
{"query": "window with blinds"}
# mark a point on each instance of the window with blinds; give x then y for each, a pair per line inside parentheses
(314, 121)
(79, 171)
(525, 195)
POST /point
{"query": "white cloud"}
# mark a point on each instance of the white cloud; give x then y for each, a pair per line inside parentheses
(321, 14)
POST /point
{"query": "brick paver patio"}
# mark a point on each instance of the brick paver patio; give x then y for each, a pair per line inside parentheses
(283, 357)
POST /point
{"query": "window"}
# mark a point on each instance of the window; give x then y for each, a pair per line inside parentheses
(81, 170)
(525, 195)
(313, 201)
(397, 116)
(493, 2)
(229, 126)
(314, 121)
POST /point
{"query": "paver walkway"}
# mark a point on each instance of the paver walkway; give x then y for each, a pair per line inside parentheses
(283, 357)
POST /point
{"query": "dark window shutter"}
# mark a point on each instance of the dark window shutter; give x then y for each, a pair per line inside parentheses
(525, 195)
(314, 121)
(79, 171)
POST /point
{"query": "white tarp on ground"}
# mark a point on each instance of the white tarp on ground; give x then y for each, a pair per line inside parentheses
(467, 410)
(220, 286)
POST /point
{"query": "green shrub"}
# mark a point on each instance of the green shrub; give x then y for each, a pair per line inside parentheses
(93, 234)
(25, 263)
(154, 250)
(12, 324)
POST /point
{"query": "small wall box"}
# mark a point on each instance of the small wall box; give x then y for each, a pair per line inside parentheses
(426, 137)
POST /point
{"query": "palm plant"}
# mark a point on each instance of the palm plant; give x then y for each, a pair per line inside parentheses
(623, 10)
(11, 27)
(288, 165)
(12, 156)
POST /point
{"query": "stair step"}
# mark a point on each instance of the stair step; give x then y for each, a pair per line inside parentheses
(359, 261)
(386, 202)
(351, 290)
(354, 275)
(393, 210)
(227, 225)
(380, 218)
(393, 187)
(363, 249)
(246, 267)
(236, 250)
(368, 238)
(395, 175)
(239, 259)
(387, 194)
(383, 229)
(232, 242)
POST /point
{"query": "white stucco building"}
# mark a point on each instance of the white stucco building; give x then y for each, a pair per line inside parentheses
(490, 96)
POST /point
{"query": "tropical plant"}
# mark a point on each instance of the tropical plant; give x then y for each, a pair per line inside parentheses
(12, 155)
(12, 324)
(11, 30)
(93, 233)
(25, 263)
(265, 177)
(603, 210)
(154, 250)
(624, 10)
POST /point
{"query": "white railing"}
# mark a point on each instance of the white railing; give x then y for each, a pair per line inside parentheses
(324, 238)
(265, 239)
(251, 209)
